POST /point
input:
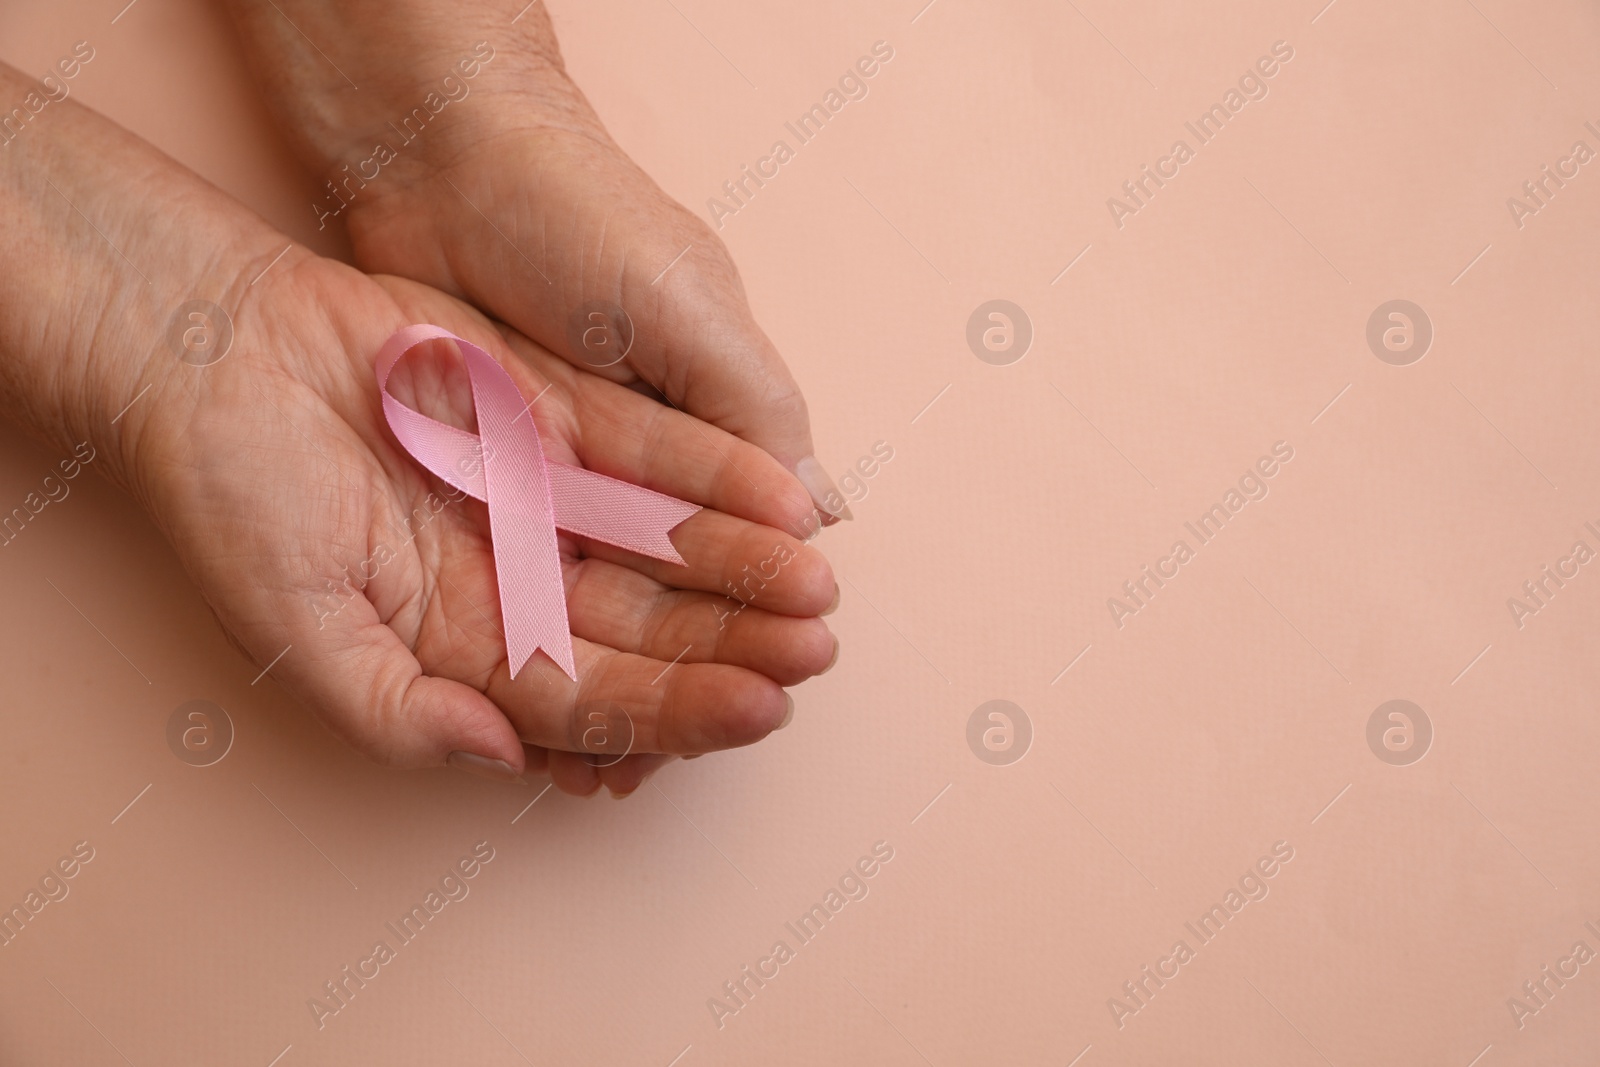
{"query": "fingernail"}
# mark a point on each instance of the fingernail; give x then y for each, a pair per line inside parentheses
(497, 770)
(823, 492)
(833, 605)
(788, 716)
(835, 658)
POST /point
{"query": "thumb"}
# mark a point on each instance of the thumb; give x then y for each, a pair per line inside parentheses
(695, 338)
(703, 349)
(630, 284)
(367, 687)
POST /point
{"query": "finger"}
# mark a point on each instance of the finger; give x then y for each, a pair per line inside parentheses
(704, 351)
(696, 339)
(627, 776)
(625, 703)
(622, 609)
(572, 773)
(615, 238)
(621, 433)
(626, 436)
(736, 558)
(621, 775)
(538, 761)
(631, 437)
(369, 689)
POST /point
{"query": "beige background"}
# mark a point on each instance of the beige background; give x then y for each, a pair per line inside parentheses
(1229, 715)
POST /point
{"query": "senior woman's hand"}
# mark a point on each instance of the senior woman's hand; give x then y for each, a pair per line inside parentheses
(276, 478)
(513, 196)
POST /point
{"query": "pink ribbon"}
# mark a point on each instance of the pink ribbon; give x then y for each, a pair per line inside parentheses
(529, 496)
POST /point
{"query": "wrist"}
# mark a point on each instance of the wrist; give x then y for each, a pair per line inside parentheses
(467, 111)
(420, 66)
(105, 239)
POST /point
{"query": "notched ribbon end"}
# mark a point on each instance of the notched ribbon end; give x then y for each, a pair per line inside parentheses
(567, 666)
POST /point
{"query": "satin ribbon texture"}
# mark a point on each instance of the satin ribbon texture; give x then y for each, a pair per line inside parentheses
(529, 496)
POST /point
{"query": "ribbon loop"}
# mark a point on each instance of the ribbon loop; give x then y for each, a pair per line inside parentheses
(529, 496)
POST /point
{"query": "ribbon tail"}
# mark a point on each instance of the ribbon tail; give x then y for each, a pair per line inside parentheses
(616, 512)
(527, 560)
(524, 637)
